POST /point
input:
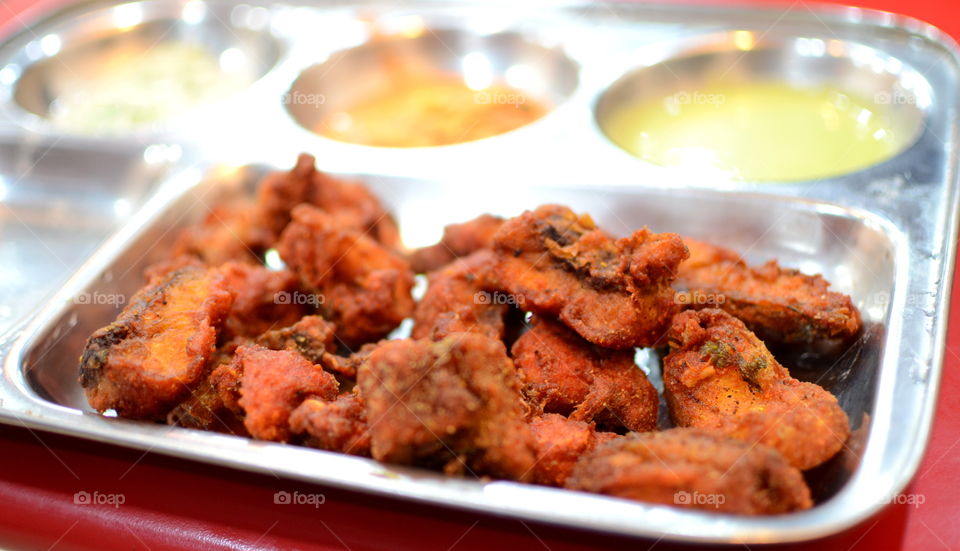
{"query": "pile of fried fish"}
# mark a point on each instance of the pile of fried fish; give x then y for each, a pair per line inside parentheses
(520, 362)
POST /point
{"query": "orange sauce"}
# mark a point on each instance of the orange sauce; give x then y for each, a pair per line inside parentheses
(423, 111)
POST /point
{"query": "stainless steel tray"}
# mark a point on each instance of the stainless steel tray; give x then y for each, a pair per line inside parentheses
(885, 235)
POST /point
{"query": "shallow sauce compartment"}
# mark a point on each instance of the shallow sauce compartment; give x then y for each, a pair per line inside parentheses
(135, 68)
(768, 108)
(886, 234)
(435, 72)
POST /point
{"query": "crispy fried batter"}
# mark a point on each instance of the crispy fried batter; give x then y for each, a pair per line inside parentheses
(563, 373)
(146, 361)
(614, 293)
(693, 468)
(273, 384)
(560, 443)
(453, 404)
(350, 204)
(311, 336)
(456, 301)
(719, 375)
(703, 254)
(279, 192)
(353, 205)
(204, 409)
(779, 304)
(340, 425)
(225, 378)
(347, 366)
(366, 288)
(459, 240)
(229, 232)
(263, 300)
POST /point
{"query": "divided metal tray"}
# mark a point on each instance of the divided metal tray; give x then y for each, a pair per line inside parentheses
(885, 235)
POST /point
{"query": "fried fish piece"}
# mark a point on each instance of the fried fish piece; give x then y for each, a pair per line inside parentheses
(560, 372)
(146, 361)
(614, 293)
(351, 204)
(459, 240)
(693, 468)
(204, 409)
(340, 425)
(273, 383)
(225, 378)
(365, 287)
(264, 299)
(453, 404)
(261, 302)
(779, 304)
(347, 366)
(560, 443)
(229, 232)
(279, 192)
(456, 301)
(720, 376)
(311, 336)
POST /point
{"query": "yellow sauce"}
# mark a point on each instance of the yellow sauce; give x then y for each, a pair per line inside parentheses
(422, 111)
(758, 132)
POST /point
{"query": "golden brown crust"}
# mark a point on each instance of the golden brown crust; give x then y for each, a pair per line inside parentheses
(351, 204)
(779, 304)
(563, 373)
(458, 241)
(693, 468)
(347, 366)
(453, 404)
(229, 232)
(720, 376)
(279, 192)
(264, 299)
(365, 287)
(340, 425)
(146, 361)
(273, 383)
(204, 409)
(311, 336)
(225, 378)
(614, 293)
(456, 301)
(560, 443)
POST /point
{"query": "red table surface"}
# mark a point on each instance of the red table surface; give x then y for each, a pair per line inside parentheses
(177, 504)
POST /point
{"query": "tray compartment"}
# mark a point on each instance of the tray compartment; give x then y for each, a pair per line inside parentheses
(852, 250)
(854, 80)
(542, 74)
(891, 245)
(64, 54)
